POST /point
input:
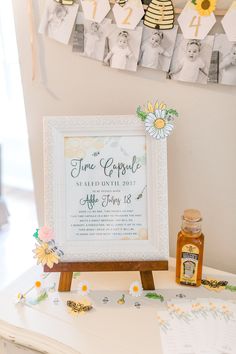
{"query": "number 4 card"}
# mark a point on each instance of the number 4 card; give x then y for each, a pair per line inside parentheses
(95, 10)
(193, 25)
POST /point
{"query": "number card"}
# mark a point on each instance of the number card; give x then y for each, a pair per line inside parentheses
(129, 15)
(106, 189)
(193, 25)
(228, 22)
(95, 10)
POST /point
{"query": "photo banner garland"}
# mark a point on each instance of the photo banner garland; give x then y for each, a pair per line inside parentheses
(125, 49)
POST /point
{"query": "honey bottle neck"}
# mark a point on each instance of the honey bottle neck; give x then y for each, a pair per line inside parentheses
(191, 228)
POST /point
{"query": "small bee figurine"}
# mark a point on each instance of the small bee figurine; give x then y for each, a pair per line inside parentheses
(54, 248)
(214, 283)
(121, 301)
(78, 307)
(105, 300)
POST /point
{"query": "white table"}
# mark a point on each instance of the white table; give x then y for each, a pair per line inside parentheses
(115, 330)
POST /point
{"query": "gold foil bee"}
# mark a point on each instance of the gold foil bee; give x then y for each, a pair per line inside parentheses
(121, 2)
(65, 2)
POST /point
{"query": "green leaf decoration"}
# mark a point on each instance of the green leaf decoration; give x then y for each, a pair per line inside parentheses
(76, 275)
(172, 112)
(155, 296)
(141, 115)
(42, 297)
(231, 287)
(36, 234)
(194, 2)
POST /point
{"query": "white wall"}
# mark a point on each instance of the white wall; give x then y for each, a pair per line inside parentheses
(16, 170)
(201, 151)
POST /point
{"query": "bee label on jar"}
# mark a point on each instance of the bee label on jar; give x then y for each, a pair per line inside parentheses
(189, 265)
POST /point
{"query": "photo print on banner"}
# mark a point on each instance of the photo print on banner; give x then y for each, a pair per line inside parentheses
(94, 38)
(58, 20)
(191, 59)
(185, 57)
(123, 48)
(223, 69)
(157, 48)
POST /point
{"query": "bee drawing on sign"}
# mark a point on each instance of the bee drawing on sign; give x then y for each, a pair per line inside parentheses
(95, 154)
(159, 15)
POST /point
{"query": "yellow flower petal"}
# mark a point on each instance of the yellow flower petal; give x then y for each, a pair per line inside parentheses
(150, 107)
(49, 264)
(162, 105)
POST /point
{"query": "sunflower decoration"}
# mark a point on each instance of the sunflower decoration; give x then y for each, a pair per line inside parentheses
(205, 7)
(136, 289)
(84, 288)
(158, 119)
(46, 251)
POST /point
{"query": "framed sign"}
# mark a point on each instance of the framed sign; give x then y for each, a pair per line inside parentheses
(105, 189)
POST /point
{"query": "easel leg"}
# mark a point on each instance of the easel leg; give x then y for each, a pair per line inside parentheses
(147, 280)
(65, 281)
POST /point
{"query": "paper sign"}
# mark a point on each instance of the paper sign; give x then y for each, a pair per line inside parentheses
(129, 15)
(106, 188)
(193, 25)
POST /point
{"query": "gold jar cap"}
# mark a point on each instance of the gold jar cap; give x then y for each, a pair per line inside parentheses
(193, 215)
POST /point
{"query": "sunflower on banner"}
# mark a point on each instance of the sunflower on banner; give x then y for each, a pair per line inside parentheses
(204, 7)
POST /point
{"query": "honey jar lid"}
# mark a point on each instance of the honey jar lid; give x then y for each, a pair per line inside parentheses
(192, 215)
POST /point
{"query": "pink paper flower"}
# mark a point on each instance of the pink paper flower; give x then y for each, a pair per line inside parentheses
(45, 234)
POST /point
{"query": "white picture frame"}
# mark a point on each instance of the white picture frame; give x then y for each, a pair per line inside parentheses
(156, 245)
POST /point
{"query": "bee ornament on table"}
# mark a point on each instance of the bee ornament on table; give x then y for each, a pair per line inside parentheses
(78, 307)
(54, 248)
(214, 283)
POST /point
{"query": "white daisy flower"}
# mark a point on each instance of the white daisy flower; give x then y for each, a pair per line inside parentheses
(83, 288)
(157, 125)
(136, 289)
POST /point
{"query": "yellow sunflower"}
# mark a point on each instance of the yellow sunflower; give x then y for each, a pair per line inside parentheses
(45, 255)
(205, 7)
